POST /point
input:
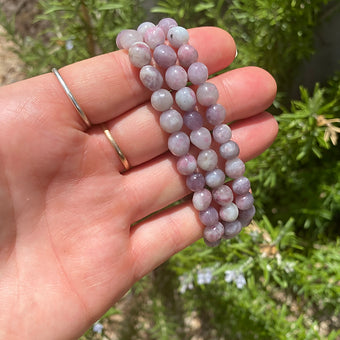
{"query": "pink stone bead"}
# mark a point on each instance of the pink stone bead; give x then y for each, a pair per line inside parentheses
(186, 165)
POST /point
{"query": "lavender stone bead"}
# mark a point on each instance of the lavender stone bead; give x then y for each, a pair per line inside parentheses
(126, 38)
(171, 121)
(151, 78)
(244, 202)
(139, 54)
(234, 168)
(161, 100)
(201, 199)
(185, 98)
(145, 26)
(195, 182)
(229, 212)
(207, 94)
(231, 229)
(176, 77)
(193, 120)
(207, 160)
(215, 114)
(166, 23)
(177, 36)
(213, 233)
(197, 73)
(240, 186)
(164, 56)
(246, 216)
(215, 178)
(209, 216)
(179, 143)
(201, 138)
(187, 55)
(212, 244)
(229, 150)
(186, 165)
(154, 36)
(222, 133)
(223, 195)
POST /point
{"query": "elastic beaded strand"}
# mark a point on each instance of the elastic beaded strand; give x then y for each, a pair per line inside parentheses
(223, 209)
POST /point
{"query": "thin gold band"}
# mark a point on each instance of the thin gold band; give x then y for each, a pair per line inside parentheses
(73, 100)
(121, 156)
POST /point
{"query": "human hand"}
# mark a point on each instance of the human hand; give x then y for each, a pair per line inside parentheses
(67, 248)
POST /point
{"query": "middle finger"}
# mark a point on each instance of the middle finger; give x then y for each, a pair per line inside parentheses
(243, 92)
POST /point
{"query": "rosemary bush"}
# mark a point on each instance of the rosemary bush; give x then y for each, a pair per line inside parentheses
(280, 278)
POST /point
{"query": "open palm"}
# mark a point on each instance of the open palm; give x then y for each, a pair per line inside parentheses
(67, 248)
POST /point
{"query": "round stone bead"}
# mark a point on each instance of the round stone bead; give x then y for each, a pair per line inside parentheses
(166, 23)
(223, 195)
(193, 120)
(179, 143)
(176, 77)
(187, 55)
(215, 114)
(244, 202)
(201, 138)
(234, 168)
(161, 100)
(213, 233)
(231, 229)
(241, 185)
(171, 121)
(229, 150)
(207, 160)
(186, 165)
(212, 244)
(154, 36)
(229, 212)
(215, 178)
(222, 133)
(164, 56)
(126, 38)
(145, 26)
(177, 36)
(201, 199)
(207, 94)
(185, 98)
(195, 181)
(151, 78)
(197, 73)
(139, 54)
(209, 216)
(246, 216)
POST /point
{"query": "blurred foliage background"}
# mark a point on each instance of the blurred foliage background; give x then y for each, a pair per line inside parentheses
(280, 279)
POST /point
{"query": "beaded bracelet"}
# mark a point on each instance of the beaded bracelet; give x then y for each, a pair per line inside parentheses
(166, 59)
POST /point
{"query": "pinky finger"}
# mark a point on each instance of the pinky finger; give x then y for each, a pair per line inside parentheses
(160, 237)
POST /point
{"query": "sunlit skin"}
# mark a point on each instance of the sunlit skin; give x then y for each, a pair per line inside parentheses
(67, 251)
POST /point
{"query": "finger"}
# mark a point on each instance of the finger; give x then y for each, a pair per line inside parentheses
(244, 92)
(253, 135)
(108, 85)
(157, 239)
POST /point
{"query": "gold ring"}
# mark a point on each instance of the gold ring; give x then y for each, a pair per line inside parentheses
(121, 156)
(73, 100)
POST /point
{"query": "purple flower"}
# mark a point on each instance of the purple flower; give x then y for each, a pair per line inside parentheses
(235, 276)
(229, 275)
(204, 276)
(240, 281)
(98, 327)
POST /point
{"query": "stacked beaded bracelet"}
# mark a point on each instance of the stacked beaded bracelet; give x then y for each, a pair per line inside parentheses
(165, 58)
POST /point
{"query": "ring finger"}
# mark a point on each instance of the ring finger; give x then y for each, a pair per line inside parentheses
(244, 92)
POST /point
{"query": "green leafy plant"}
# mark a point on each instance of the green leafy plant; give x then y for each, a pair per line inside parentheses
(279, 279)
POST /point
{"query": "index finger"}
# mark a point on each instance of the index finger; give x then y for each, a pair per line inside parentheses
(108, 85)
